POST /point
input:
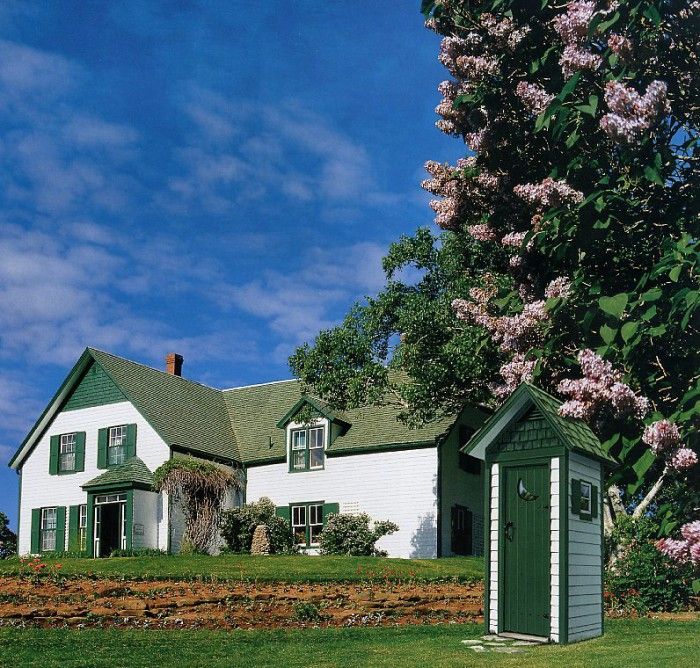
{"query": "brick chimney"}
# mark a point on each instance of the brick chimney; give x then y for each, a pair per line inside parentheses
(173, 364)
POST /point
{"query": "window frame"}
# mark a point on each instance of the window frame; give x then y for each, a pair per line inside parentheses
(307, 526)
(82, 526)
(587, 512)
(44, 531)
(319, 445)
(121, 448)
(74, 451)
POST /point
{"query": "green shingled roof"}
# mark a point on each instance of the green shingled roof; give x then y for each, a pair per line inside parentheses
(186, 414)
(574, 434)
(132, 471)
(256, 410)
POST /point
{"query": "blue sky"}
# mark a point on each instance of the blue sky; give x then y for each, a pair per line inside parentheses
(220, 179)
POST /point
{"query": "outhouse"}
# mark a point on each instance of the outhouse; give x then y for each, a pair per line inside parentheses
(543, 535)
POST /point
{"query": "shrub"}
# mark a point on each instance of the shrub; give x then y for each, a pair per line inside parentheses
(138, 552)
(306, 611)
(8, 539)
(351, 535)
(238, 525)
(643, 579)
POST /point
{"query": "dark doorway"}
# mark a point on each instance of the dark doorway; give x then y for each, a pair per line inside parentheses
(110, 528)
(462, 523)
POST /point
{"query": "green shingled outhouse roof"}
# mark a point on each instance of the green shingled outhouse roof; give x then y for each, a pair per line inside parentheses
(132, 472)
(572, 434)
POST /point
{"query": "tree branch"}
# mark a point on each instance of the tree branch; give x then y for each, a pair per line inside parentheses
(644, 503)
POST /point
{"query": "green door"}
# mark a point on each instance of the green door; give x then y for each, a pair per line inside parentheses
(526, 550)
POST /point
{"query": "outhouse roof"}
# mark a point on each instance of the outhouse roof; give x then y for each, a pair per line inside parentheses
(132, 472)
(574, 434)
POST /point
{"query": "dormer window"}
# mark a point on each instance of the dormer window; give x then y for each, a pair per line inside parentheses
(116, 448)
(307, 449)
(66, 461)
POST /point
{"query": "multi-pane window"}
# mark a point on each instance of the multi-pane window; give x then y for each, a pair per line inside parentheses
(585, 502)
(307, 451)
(116, 445)
(66, 457)
(82, 527)
(307, 524)
(48, 529)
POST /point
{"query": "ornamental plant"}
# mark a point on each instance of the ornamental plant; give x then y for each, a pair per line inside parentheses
(200, 487)
(238, 525)
(568, 236)
(351, 535)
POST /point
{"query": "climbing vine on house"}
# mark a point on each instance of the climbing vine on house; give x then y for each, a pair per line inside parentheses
(201, 488)
(576, 211)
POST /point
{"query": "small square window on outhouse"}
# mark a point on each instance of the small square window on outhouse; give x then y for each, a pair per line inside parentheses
(584, 497)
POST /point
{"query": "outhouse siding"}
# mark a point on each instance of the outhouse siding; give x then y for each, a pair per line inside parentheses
(585, 573)
(400, 486)
(40, 489)
(493, 549)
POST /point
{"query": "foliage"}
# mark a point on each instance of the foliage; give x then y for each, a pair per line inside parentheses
(36, 569)
(238, 525)
(351, 535)
(8, 538)
(201, 486)
(139, 552)
(307, 611)
(643, 579)
(569, 245)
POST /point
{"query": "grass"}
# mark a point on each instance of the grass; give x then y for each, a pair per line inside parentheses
(295, 568)
(638, 643)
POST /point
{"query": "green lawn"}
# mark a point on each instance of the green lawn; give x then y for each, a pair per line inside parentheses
(295, 568)
(636, 643)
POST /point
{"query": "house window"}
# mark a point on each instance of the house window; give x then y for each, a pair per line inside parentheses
(48, 529)
(116, 446)
(66, 458)
(307, 453)
(307, 524)
(82, 527)
(585, 499)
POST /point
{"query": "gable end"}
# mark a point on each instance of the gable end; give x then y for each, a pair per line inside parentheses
(95, 388)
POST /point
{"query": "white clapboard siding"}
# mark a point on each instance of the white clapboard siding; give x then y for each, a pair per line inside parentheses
(399, 486)
(555, 547)
(585, 579)
(148, 509)
(40, 489)
(493, 551)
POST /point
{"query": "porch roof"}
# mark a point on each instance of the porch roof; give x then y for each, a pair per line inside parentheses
(132, 473)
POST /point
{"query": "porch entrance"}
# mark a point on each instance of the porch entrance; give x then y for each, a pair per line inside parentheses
(110, 524)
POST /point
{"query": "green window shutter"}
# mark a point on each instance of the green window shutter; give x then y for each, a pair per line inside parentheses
(73, 515)
(36, 530)
(102, 436)
(285, 513)
(575, 496)
(61, 529)
(80, 451)
(53, 454)
(594, 502)
(329, 508)
(130, 440)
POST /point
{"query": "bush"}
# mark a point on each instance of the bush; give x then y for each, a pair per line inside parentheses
(643, 579)
(138, 552)
(307, 611)
(238, 525)
(8, 539)
(351, 535)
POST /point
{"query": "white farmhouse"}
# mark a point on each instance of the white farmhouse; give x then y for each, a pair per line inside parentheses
(86, 467)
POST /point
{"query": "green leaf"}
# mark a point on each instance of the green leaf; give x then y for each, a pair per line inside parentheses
(649, 313)
(608, 334)
(572, 139)
(629, 329)
(653, 15)
(641, 466)
(696, 586)
(603, 26)
(652, 295)
(675, 273)
(652, 175)
(615, 305)
(569, 87)
(591, 107)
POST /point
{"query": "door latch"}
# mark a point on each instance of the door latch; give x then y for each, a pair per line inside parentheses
(509, 531)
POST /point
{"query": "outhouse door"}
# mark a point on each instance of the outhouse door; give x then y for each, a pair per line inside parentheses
(525, 592)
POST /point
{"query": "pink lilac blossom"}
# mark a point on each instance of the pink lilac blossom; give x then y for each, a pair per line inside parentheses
(575, 59)
(632, 114)
(476, 140)
(661, 435)
(514, 239)
(476, 68)
(503, 31)
(683, 459)
(600, 388)
(534, 97)
(691, 531)
(548, 193)
(620, 46)
(559, 287)
(695, 553)
(518, 370)
(677, 550)
(481, 232)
